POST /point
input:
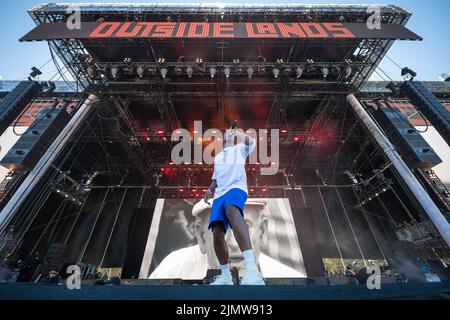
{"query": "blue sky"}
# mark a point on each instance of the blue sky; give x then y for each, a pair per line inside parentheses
(429, 58)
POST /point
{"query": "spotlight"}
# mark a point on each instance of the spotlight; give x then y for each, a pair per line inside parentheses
(310, 61)
(161, 60)
(126, 60)
(276, 72)
(140, 71)
(335, 71)
(189, 71)
(212, 72)
(114, 72)
(35, 72)
(178, 71)
(250, 72)
(325, 72)
(280, 61)
(236, 61)
(152, 71)
(163, 72)
(199, 61)
(348, 72)
(444, 77)
(227, 72)
(299, 72)
(408, 71)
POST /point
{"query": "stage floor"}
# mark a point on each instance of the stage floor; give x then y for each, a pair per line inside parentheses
(28, 291)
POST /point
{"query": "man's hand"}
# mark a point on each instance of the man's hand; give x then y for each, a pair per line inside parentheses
(207, 196)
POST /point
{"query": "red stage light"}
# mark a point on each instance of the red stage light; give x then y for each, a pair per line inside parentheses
(160, 132)
(296, 138)
(148, 139)
(181, 190)
(283, 131)
(264, 190)
(170, 163)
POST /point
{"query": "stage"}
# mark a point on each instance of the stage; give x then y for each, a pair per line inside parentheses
(395, 291)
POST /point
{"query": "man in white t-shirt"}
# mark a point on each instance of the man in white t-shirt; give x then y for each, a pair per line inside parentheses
(229, 184)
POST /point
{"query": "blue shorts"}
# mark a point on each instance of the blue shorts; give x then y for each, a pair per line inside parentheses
(234, 197)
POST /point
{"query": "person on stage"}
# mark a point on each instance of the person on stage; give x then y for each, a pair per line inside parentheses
(229, 185)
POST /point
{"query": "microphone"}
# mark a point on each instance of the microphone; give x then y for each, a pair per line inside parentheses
(233, 125)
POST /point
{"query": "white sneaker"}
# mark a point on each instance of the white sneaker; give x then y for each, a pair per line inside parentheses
(252, 278)
(222, 280)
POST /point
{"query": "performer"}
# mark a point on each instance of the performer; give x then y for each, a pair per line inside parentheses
(229, 184)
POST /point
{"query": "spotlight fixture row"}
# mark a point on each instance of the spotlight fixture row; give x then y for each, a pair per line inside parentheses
(333, 71)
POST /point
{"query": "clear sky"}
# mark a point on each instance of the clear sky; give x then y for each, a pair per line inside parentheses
(429, 58)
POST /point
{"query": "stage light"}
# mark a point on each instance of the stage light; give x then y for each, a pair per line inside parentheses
(236, 61)
(296, 138)
(299, 72)
(163, 72)
(212, 72)
(276, 72)
(35, 72)
(408, 71)
(283, 131)
(199, 61)
(227, 72)
(152, 71)
(189, 71)
(161, 60)
(348, 72)
(126, 60)
(178, 71)
(250, 72)
(310, 61)
(140, 71)
(325, 72)
(280, 61)
(114, 71)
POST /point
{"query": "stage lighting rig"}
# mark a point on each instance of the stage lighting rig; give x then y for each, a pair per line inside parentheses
(34, 73)
(250, 72)
(299, 72)
(212, 72)
(227, 72)
(275, 72)
(163, 72)
(189, 71)
(140, 71)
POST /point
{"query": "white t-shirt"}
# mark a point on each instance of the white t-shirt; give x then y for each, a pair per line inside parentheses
(229, 168)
